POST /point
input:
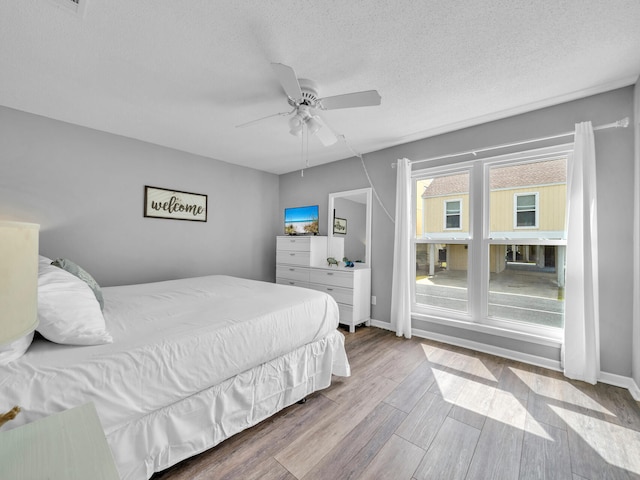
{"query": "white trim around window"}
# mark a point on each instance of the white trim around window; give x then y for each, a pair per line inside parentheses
(478, 239)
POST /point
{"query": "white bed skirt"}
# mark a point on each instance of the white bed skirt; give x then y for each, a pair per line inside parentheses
(165, 437)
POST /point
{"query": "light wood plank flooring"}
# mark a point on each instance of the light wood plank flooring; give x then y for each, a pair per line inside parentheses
(417, 409)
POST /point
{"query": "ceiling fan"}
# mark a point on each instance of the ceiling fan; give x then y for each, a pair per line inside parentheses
(302, 95)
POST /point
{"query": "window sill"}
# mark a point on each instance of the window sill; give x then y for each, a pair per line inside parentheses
(549, 339)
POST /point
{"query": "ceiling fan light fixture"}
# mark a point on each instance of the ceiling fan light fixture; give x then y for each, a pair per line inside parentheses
(295, 125)
(295, 121)
(313, 124)
(296, 131)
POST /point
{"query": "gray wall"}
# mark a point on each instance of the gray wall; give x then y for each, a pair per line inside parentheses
(86, 188)
(614, 151)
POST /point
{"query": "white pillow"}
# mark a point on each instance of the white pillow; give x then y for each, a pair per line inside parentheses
(15, 349)
(68, 311)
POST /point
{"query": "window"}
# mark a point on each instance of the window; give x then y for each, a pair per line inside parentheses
(526, 210)
(452, 209)
(441, 247)
(499, 258)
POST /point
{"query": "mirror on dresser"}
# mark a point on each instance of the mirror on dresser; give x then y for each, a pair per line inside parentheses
(352, 208)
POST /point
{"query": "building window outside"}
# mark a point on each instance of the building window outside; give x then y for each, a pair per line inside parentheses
(453, 214)
(526, 210)
(499, 258)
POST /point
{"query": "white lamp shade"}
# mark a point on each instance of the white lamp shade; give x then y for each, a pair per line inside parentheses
(295, 125)
(296, 131)
(313, 125)
(18, 280)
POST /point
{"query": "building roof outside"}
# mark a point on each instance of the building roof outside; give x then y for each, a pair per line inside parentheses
(511, 176)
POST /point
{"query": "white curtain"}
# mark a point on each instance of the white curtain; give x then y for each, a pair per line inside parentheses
(635, 344)
(401, 288)
(581, 348)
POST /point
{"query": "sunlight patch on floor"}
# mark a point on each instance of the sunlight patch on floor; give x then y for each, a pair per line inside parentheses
(487, 400)
(535, 428)
(506, 408)
(462, 362)
(558, 389)
(600, 435)
(449, 384)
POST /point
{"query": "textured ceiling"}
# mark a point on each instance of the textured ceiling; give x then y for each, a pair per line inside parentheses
(184, 73)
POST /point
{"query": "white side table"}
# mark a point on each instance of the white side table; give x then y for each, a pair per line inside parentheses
(69, 445)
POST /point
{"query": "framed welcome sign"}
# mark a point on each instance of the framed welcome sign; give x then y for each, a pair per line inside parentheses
(174, 204)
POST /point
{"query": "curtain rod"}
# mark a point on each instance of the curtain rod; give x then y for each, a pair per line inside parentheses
(623, 123)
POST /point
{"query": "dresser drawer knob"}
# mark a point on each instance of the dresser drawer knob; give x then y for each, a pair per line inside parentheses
(329, 289)
(329, 273)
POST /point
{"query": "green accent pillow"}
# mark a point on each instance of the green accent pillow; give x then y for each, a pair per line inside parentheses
(83, 275)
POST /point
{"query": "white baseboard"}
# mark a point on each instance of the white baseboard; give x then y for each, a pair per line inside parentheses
(622, 382)
(635, 391)
(381, 324)
(490, 349)
(604, 377)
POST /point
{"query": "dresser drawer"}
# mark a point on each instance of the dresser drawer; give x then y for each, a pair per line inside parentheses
(346, 313)
(292, 273)
(293, 243)
(339, 294)
(336, 278)
(292, 258)
(295, 283)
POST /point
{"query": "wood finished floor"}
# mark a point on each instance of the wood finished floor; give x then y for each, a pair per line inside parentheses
(417, 409)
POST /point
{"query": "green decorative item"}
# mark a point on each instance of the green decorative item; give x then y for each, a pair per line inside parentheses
(347, 262)
(332, 261)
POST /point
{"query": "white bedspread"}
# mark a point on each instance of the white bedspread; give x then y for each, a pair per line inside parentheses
(168, 344)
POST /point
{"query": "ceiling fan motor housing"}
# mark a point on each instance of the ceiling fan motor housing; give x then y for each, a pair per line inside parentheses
(309, 94)
(303, 116)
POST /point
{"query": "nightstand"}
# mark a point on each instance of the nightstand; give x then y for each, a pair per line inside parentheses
(68, 445)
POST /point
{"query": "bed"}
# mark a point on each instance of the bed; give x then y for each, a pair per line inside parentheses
(191, 363)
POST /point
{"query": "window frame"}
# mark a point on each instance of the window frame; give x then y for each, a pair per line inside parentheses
(478, 242)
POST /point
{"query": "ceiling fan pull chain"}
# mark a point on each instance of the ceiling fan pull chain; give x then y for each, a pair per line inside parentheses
(302, 151)
(307, 142)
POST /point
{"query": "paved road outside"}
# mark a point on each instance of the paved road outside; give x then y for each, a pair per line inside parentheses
(518, 293)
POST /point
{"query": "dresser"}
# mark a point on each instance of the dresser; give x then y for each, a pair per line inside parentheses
(302, 261)
(303, 251)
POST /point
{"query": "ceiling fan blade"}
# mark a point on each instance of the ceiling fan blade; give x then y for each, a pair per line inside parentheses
(288, 80)
(326, 136)
(349, 100)
(242, 125)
